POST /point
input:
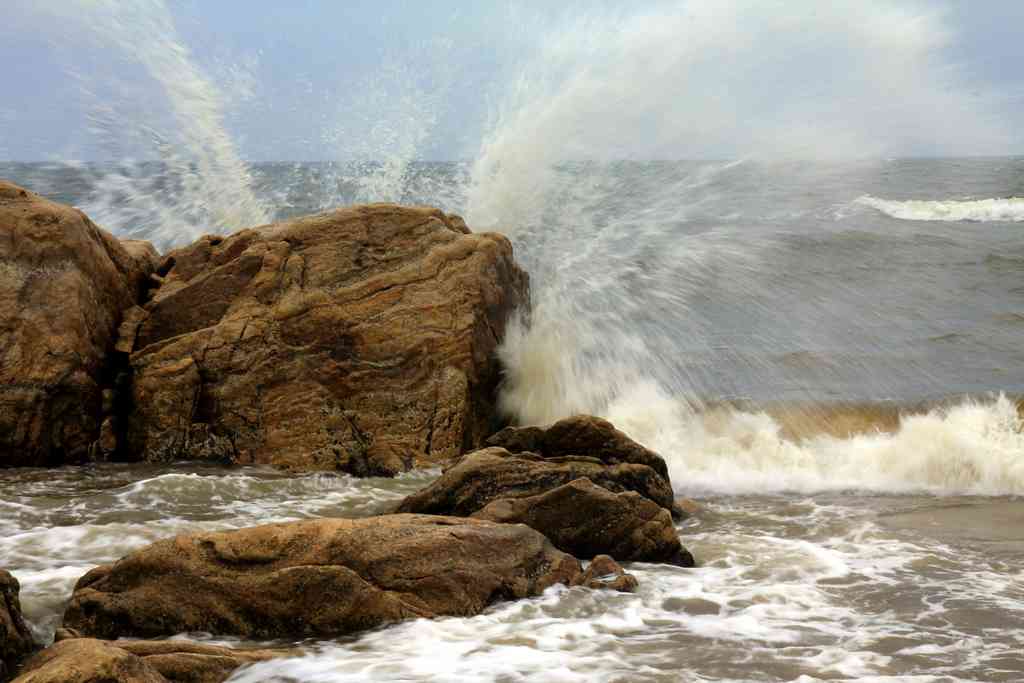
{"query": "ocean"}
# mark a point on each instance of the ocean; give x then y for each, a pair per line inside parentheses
(821, 331)
(827, 354)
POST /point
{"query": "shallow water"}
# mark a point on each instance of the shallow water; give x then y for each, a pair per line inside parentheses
(791, 587)
(798, 351)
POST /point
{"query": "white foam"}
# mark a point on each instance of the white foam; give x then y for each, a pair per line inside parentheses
(976, 447)
(761, 599)
(1010, 209)
(971, 448)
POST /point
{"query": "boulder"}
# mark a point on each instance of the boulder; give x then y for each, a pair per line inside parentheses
(482, 477)
(85, 660)
(579, 435)
(359, 340)
(582, 483)
(15, 639)
(316, 578)
(64, 283)
(585, 520)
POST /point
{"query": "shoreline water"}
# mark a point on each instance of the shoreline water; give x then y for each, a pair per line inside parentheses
(817, 519)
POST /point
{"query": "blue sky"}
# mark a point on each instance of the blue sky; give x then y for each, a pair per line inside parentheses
(332, 80)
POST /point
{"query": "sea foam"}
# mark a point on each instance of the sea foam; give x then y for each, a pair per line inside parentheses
(1010, 209)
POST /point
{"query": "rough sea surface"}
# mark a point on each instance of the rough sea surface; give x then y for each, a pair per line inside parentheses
(827, 355)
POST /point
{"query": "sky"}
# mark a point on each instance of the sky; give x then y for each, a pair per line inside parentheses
(309, 80)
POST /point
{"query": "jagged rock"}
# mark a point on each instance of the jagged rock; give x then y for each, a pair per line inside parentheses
(63, 285)
(581, 482)
(586, 520)
(15, 639)
(316, 578)
(579, 435)
(359, 340)
(85, 660)
(482, 477)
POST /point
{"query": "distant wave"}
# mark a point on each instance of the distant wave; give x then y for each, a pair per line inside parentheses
(1009, 209)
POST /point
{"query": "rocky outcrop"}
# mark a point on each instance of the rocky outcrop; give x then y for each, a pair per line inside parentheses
(579, 435)
(85, 660)
(316, 578)
(64, 283)
(582, 483)
(359, 340)
(490, 474)
(15, 639)
(585, 520)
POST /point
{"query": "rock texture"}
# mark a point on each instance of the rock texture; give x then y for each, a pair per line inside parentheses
(85, 660)
(582, 483)
(64, 283)
(604, 573)
(15, 639)
(359, 340)
(580, 435)
(482, 477)
(316, 578)
(585, 520)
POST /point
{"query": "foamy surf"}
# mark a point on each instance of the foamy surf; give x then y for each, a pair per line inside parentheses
(1010, 209)
(975, 447)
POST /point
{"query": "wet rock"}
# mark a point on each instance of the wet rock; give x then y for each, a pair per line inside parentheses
(580, 435)
(359, 340)
(316, 578)
(482, 477)
(85, 660)
(15, 639)
(584, 519)
(689, 506)
(581, 482)
(604, 573)
(584, 506)
(63, 285)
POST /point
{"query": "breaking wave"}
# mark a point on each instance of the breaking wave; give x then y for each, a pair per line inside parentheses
(1010, 209)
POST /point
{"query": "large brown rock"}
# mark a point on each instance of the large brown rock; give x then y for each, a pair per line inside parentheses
(579, 435)
(316, 578)
(85, 660)
(64, 283)
(360, 340)
(585, 520)
(15, 639)
(585, 485)
(490, 474)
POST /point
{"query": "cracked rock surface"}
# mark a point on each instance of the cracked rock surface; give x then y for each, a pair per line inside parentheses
(359, 340)
(64, 283)
(316, 578)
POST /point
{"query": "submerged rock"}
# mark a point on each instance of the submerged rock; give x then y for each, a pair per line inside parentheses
(604, 573)
(316, 578)
(85, 660)
(582, 483)
(359, 340)
(64, 283)
(15, 639)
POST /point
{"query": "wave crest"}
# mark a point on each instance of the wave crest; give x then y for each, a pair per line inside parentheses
(1010, 209)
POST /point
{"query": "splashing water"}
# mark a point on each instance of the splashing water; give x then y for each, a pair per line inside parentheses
(622, 258)
(195, 182)
(700, 306)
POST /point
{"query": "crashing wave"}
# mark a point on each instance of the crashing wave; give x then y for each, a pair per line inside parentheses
(1010, 209)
